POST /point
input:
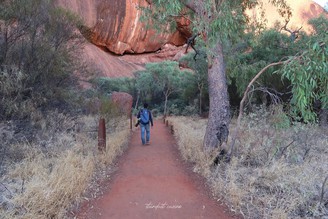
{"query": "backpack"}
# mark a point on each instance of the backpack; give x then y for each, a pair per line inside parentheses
(144, 116)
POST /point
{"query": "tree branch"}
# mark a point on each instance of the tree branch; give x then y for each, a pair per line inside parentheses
(323, 190)
(191, 42)
(293, 34)
(191, 4)
(6, 188)
(272, 93)
(241, 107)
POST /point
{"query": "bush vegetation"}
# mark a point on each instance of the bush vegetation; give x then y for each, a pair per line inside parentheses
(48, 144)
(278, 171)
(164, 85)
(180, 88)
(298, 81)
(38, 55)
(43, 179)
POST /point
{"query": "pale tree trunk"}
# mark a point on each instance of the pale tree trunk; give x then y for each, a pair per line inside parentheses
(217, 129)
(137, 102)
(200, 103)
(166, 94)
(165, 106)
(323, 118)
(200, 88)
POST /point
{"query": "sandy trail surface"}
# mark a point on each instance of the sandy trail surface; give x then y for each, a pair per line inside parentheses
(153, 182)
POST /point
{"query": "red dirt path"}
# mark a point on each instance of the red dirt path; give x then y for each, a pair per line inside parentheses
(153, 182)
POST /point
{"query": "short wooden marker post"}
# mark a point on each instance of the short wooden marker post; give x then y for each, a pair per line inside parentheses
(102, 135)
(131, 120)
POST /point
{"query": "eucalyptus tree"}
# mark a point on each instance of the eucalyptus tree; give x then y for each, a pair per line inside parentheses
(308, 73)
(166, 76)
(162, 77)
(215, 22)
(199, 76)
(144, 86)
(259, 51)
(108, 85)
(301, 63)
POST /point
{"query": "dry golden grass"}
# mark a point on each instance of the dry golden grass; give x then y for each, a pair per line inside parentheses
(47, 181)
(190, 134)
(116, 143)
(275, 173)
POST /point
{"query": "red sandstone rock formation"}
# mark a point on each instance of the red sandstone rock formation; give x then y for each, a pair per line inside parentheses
(124, 102)
(115, 25)
(302, 12)
(109, 65)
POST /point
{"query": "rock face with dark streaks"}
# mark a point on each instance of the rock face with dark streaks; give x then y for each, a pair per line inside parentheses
(116, 25)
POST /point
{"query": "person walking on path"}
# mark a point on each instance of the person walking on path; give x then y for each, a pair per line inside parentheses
(145, 118)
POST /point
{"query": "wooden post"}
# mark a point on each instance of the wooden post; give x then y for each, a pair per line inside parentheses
(131, 120)
(102, 135)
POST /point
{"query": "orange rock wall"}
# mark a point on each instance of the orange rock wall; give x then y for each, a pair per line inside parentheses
(86, 9)
(123, 101)
(115, 25)
(107, 64)
(302, 11)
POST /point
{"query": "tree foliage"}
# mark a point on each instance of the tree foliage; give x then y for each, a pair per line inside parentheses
(198, 79)
(308, 73)
(219, 23)
(159, 79)
(37, 52)
(301, 67)
(108, 85)
(256, 52)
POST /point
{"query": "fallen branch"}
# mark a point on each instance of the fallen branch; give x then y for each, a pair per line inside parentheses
(6, 188)
(323, 190)
(285, 148)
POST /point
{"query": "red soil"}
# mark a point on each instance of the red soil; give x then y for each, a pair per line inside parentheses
(153, 182)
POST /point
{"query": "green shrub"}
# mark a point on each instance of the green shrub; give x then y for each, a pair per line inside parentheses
(108, 109)
(279, 119)
(190, 110)
(38, 61)
(107, 85)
